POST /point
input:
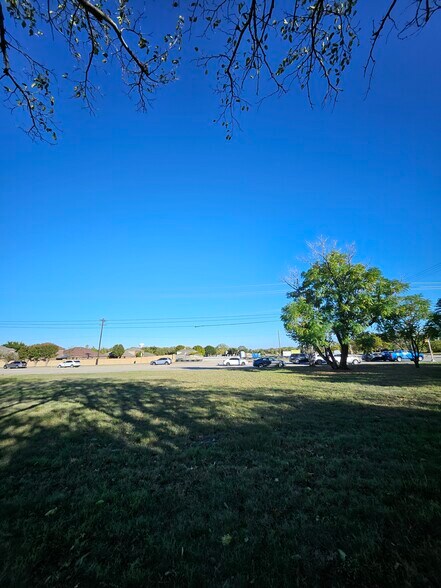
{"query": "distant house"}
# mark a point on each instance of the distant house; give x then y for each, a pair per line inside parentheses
(8, 353)
(77, 353)
(185, 351)
(137, 352)
(134, 352)
(188, 354)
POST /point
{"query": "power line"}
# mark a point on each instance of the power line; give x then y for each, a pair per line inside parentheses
(176, 322)
(144, 327)
(123, 324)
(434, 268)
(137, 320)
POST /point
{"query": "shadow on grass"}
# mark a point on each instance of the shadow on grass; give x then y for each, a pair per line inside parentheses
(112, 483)
(381, 374)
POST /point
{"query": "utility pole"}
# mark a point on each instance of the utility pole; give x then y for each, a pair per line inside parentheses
(430, 349)
(280, 348)
(99, 344)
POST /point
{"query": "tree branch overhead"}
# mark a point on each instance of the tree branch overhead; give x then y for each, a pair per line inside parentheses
(258, 47)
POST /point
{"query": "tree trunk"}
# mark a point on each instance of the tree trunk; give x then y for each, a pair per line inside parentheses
(416, 353)
(344, 349)
(313, 358)
(330, 359)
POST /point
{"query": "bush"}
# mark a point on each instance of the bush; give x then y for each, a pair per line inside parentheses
(117, 351)
(44, 351)
(209, 350)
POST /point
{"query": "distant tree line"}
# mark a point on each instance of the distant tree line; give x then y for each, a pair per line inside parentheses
(37, 352)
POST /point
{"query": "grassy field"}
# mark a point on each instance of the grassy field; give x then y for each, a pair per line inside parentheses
(222, 478)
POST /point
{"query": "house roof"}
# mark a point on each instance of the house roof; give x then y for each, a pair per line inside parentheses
(7, 351)
(79, 352)
(186, 351)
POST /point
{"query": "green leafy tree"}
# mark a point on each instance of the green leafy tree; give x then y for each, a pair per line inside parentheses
(209, 350)
(221, 349)
(14, 345)
(435, 345)
(368, 342)
(266, 46)
(117, 351)
(42, 351)
(199, 349)
(23, 352)
(179, 348)
(410, 322)
(335, 300)
(434, 324)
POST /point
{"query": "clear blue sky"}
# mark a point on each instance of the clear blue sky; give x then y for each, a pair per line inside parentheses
(156, 216)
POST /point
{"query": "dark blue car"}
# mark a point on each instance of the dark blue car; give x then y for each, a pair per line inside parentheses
(265, 362)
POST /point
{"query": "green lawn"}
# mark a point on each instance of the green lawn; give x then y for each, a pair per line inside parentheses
(222, 478)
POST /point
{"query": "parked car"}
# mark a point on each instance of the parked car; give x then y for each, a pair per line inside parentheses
(264, 362)
(299, 358)
(319, 361)
(374, 356)
(352, 359)
(70, 363)
(15, 365)
(161, 361)
(399, 355)
(234, 361)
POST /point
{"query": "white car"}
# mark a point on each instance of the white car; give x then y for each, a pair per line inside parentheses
(234, 361)
(69, 363)
(352, 359)
(161, 361)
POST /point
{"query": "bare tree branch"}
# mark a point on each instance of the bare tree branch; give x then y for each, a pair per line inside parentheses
(260, 47)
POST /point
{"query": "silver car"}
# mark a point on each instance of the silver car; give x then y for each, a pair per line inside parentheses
(161, 361)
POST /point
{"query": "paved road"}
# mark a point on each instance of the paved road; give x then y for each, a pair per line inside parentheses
(106, 369)
(206, 364)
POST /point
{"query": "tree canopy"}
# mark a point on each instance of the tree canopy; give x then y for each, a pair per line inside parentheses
(336, 300)
(265, 46)
(209, 350)
(39, 351)
(434, 324)
(14, 344)
(199, 349)
(368, 342)
(117, 351)
(409, 321)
